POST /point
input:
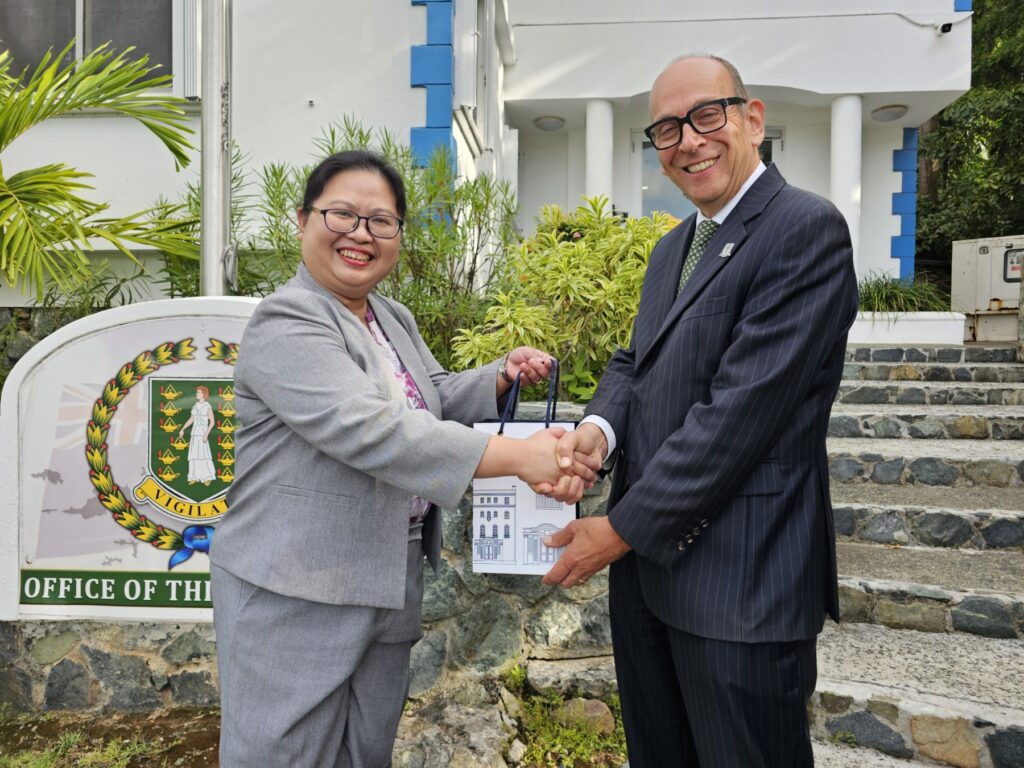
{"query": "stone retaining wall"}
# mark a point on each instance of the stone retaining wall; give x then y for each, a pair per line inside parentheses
(929, 609)
(927, 470)
(918, 526)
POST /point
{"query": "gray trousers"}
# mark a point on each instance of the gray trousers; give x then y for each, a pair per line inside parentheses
(311, 685)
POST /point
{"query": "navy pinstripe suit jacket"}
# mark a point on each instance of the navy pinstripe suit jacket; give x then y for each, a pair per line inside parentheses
(720, 407)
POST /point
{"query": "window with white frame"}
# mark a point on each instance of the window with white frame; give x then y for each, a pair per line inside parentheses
(162, 29)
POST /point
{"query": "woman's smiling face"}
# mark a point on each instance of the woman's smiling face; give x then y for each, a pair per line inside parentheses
(350, 265)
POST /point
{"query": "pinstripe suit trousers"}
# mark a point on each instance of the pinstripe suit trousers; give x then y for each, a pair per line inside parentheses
(694, 702)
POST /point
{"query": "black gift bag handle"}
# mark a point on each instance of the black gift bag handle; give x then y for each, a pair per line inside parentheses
(512, 400)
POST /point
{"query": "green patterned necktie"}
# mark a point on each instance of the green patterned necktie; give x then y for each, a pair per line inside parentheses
(705, 231)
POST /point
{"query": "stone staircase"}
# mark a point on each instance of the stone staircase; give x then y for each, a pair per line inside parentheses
(926, 454)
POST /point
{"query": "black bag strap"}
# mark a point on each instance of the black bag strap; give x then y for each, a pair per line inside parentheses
(552, 404)
(512, 399)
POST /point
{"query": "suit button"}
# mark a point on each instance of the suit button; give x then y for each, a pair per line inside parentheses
(696, 531)
(705, 523)
(681, 547)
(689, 539)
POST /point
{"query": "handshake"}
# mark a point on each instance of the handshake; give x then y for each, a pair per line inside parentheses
(563, 465)
(577, 458)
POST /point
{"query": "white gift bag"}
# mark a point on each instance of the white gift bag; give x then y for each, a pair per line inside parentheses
(510, 521)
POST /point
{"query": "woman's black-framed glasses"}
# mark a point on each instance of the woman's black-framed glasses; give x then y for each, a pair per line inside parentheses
(341, 221)
(703, 118)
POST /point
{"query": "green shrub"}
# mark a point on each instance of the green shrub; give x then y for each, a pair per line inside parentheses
(880, 292)
(572, 289)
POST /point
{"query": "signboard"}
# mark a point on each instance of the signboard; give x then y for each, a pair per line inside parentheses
(118, 451)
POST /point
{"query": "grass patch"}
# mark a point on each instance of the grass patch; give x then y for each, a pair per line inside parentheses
(880, 292)
(171, 739)
(73, 751)
(553, 741)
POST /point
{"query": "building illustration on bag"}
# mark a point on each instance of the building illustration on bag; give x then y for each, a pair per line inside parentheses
(494, 512)
(536, 552)
(495, 530)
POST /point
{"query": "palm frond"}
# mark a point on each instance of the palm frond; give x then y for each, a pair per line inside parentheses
(102, 80)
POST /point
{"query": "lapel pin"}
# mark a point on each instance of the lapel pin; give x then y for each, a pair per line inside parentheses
(727, 250)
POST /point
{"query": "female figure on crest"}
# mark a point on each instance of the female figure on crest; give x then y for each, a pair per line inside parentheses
(200, 459)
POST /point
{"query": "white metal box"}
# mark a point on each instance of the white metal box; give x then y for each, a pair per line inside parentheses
(986, 276)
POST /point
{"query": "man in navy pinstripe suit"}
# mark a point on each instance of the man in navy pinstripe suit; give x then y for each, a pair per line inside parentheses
(719, 525)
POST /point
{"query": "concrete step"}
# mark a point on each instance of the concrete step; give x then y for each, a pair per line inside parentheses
(927, 462)
(995, 572)
(964, 497)
(979, 593)
(952, 698)
(937, 422)
(836, 754)
(946, 699)
(856, 392)
(931, 353)
(975, 529)
(966, 372)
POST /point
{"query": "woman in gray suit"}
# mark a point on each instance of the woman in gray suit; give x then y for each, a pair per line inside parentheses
(351, 437)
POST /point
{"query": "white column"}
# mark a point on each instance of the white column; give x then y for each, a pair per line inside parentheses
(600, 152)
(845, 175)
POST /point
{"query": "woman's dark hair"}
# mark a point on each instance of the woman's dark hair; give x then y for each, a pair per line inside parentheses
(353, 160)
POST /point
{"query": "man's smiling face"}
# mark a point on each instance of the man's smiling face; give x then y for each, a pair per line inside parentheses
(709, 168)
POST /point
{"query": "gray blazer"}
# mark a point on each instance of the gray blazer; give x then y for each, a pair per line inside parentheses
(327, 461)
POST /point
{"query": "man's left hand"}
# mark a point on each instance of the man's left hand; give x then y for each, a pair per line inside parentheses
(591, 543)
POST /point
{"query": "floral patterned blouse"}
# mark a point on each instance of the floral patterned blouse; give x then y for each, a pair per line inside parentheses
(420, 506)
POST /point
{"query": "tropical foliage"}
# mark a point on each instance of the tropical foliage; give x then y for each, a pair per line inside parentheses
(973, 152)
(573, 289)
(47, 227)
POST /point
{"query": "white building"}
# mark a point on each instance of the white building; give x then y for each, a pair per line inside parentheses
(550, 94)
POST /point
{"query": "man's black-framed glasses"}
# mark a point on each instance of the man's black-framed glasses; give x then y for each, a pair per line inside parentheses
(342, 221)
(703, 118)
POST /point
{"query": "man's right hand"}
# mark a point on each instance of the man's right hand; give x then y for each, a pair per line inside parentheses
(587, 440)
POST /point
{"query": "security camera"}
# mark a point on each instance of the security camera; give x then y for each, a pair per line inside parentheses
(944, 29)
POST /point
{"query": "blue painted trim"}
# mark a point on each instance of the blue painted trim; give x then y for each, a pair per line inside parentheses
(908, 225)
(904, 203)
(962, 5)
(432, 66)
(423, 141)
(440, 20)
(904, 160)
(439, 106)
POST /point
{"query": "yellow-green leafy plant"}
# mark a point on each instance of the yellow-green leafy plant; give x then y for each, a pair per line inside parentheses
(47, 228)
(572, 289)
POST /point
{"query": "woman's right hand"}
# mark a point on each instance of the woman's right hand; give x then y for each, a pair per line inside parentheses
(536, 460)
(541, 465)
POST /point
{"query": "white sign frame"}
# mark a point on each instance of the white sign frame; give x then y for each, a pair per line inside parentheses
(12, 475)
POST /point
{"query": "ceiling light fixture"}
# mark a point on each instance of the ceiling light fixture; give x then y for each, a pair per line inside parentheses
(889, 112)
(549, 123)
